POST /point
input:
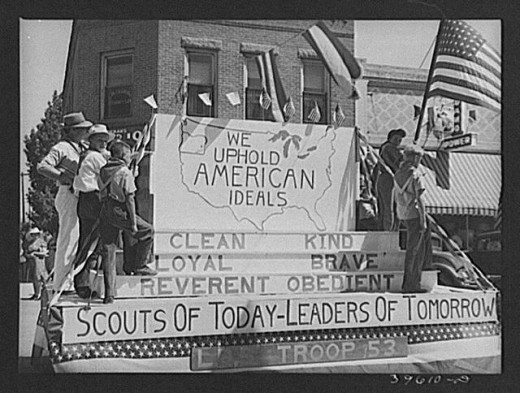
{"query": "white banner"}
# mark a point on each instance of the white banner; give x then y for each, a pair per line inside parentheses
(211, 174)
(260, 284)
(205, 263)
(251, 242)
(155, 318)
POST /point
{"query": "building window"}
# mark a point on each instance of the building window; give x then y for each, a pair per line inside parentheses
(201, 83)
(117, 85)
(315, 90)
(253, 90)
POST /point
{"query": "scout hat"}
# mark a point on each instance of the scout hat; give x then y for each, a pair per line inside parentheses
(397, 131)
(75, 120)
(99, 129)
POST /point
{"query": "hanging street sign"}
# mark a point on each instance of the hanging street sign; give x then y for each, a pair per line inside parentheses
(456, 142)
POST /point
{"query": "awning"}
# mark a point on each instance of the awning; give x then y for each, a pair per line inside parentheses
(475, 181)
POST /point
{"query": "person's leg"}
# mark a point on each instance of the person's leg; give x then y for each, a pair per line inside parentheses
(88, 212)
(31, 264)
(385, 185)
(109, 238)
(427, 251)
(143, 247)
(412, 275)
(129, 250)
(68, 233)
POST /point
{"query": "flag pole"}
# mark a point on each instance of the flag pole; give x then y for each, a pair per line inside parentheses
(428, 83)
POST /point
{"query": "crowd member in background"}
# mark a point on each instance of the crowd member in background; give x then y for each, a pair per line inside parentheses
(408, 195)
(35, 253)
(86, 186)
(61, 164)
(118, 213)
(391, 156)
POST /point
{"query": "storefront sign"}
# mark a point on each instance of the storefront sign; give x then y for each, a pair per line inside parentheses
(459, 141)
(154, 318)
(282, 354)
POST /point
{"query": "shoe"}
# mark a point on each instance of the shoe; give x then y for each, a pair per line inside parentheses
(418, 290)
(145, 271)
(108, 300)
(86, 292)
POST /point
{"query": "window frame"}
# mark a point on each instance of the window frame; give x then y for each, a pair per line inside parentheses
(214, 76)
(325, 94)
(105, 57)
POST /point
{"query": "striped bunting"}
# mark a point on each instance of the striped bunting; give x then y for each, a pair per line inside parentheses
(466, 68)
(272, 84)
(440, 165)
(340, 63)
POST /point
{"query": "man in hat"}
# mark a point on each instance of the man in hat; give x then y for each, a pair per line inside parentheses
(408, 191)
(61, 164)
(86, 186)
(391, 156)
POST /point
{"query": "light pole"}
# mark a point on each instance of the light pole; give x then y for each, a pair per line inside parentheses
(22, 175)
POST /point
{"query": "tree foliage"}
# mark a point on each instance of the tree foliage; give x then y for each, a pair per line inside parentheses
(42, 190)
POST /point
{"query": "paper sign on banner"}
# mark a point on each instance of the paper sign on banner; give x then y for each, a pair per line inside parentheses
(205, 99)
(233, 98)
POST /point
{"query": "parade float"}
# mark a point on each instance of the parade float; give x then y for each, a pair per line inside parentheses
(260, 268)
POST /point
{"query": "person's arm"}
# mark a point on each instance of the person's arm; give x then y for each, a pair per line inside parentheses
(419, 190)
(130, 189)
(130, 206)
(48, 167)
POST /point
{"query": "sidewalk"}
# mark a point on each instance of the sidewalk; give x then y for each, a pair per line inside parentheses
(27, 323)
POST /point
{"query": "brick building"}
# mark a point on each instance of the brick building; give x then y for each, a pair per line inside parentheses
(113, 65)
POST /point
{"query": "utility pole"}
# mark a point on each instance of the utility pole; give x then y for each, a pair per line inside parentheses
(22, 175)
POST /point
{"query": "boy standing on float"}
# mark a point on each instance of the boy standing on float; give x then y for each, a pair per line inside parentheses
(119, 213)
(408, 195)
(89, 204)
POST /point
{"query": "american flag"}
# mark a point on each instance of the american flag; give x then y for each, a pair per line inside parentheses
(466, 68)
(288, 109)
(265, 100)
(338, 117)
(315, 114)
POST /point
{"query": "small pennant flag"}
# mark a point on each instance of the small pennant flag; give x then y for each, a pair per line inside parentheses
(315, 114)
(150, 100)
(472, 115)
(416, 111)
(288, 109)
(338, 117)
(204, 97)
(264, 100)
(233, 98)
